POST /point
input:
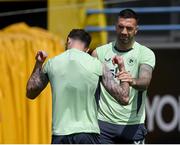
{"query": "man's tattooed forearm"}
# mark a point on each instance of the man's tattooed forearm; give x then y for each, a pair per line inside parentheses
(144, 78)
(119, 91)
(37, 82)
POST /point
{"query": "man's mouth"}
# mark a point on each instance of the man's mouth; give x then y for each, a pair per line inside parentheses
(124, 38)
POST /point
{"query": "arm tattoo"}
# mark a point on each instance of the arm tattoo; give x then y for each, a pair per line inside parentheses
(144, 78)
(120, 92)
(37, 82)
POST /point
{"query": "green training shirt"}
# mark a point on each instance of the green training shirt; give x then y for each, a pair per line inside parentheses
(110, 110)
(74, 77)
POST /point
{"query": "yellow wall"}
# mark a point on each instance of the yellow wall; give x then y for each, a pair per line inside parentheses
(64, 15)
(23, 120)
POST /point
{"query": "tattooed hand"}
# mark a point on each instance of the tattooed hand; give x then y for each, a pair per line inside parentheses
(119, 61)
(41, 56)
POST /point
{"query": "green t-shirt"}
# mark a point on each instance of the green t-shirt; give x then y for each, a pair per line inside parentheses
(74, 77)
(110, 110)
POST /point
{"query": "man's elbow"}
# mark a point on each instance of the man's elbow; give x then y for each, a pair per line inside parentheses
(30, 93)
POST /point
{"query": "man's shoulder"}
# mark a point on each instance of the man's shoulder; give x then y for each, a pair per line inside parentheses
(106, 46)
(57, 58)
(143, 48)
(84, 58)
(104, 49)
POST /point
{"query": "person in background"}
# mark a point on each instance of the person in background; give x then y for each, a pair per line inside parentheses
(119, 123)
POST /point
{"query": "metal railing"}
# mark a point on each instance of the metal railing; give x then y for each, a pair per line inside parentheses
(141, 27)
(136, 9)
(163, 27)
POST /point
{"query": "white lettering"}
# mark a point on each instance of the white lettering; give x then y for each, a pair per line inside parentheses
(150, 111)
(159, 118)
(154, 112)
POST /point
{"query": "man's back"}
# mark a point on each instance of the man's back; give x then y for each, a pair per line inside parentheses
(74, 77)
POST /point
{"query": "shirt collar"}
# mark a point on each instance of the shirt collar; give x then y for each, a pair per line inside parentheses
(122, 50)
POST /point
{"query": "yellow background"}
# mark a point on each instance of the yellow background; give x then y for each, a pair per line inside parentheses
(23, 120)
(29, 121)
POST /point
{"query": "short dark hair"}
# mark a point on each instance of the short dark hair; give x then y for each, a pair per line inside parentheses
(82, 35)
(128, 13)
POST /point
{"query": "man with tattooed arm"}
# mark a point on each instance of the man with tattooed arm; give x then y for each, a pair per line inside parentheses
(74, 77)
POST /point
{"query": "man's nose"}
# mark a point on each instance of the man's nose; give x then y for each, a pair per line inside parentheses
(124, 31)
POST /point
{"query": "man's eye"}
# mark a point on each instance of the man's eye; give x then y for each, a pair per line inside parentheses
(121, 27)
(129, 28)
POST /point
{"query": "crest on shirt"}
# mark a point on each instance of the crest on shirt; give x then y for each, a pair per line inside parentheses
(131, 61)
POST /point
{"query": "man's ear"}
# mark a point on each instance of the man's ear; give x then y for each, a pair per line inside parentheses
(137, 28)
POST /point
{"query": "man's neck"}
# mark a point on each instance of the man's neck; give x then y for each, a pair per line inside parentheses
(78, 48)
(122, 46)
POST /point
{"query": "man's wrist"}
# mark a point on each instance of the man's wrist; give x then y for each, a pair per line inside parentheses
(133, 83)
(39, 63)
(121, 68)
